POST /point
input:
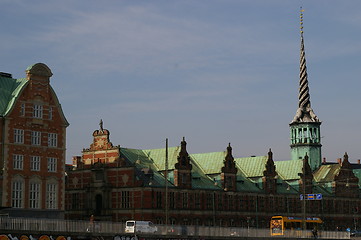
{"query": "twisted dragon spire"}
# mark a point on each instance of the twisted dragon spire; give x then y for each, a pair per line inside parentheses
(304, 112)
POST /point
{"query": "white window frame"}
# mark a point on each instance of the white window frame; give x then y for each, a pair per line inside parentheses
(35, 138)
(35, 163)
(18, 161)
(52, 139)
(38, 111)
(51, 196)
(34, 195)
(50, 112)
(22, 109)
(17, 193)
(52, 164)
(19, 136)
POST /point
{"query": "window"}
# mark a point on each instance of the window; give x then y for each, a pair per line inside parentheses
(52, 164)
(184, 178)
(99, 175)
(50, 112)
(75, 201)
(220, 201)
(125, 203)
(158, 199)
(35, 163)
(34, 198)
(22, 109)
(17, 194)
(171, 200)
(35, 138)
(18, 136)
(52, 139)
(209, 201)
(18, 161)
(38, 111)
(197, 203)
(184, 200)
(51, 196)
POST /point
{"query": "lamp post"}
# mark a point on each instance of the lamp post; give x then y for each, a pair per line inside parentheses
(303, 199)
(166, 186)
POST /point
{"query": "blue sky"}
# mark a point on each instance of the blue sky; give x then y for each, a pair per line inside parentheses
(212, 71)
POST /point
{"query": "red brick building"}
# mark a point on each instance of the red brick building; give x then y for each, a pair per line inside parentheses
(33, 138)
(117, 184)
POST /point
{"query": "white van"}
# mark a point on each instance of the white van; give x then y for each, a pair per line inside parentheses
(133, 226)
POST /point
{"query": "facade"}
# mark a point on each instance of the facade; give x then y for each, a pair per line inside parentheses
(171, 186)
(33, 133)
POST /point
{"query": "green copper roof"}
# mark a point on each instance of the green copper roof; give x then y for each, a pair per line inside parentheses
(210, 163)
(252, 167)
(155, 160)
(289, 170)
(143, 162)
(357, 173)
(206, 171)
(326, 173)
(158, 157)
(9, 90)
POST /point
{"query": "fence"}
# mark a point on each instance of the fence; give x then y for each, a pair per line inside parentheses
(113, 229)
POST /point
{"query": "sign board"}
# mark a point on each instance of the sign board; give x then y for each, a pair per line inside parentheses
(311, 196)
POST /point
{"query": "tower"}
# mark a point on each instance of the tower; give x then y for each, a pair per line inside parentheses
(305, 126)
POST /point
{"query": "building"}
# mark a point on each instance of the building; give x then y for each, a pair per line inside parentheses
(171, 186)
(33, 138)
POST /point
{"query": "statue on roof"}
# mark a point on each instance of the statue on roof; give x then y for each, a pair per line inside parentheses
(101, 124)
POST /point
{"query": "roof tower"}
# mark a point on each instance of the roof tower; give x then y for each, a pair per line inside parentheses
(305, 126)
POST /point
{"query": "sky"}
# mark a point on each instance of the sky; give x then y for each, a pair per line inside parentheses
(212, 71)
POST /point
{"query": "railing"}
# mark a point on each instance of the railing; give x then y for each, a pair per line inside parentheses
(50, 226)
(56, 225)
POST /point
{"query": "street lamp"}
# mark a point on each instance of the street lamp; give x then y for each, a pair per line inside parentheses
(303, 199)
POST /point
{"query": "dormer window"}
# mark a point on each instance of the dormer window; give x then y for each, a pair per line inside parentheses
(38, 111)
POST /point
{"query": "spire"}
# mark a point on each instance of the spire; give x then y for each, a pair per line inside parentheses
(304, 112)
(304, 95)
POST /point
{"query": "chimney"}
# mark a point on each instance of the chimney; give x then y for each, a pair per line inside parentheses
(324, 160)
(76, 160)
(339, 160)
(358, 161)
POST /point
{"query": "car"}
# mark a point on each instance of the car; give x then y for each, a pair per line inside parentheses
(133, 226)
